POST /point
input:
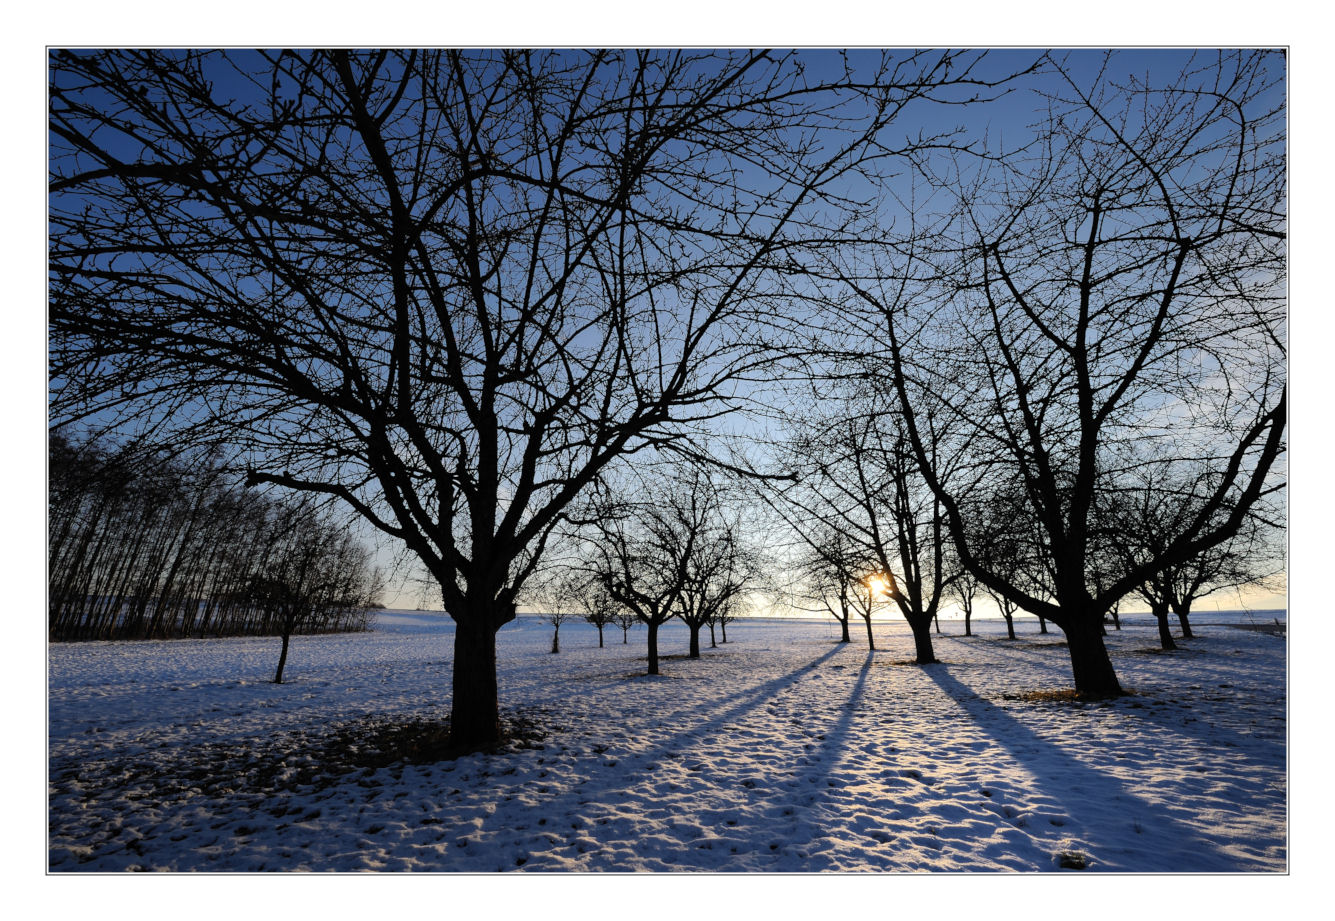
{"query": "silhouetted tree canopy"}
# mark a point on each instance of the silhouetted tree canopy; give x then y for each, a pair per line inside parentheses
(450, 287)
(1106, 301)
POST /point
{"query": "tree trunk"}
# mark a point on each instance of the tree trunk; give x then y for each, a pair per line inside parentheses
(625, 636)
(282, 657)
(968, 626)
(653, 648)
(712, 644)
(936, 622)
(1160, 613)
(845, 638)
(1117, 620)
(1182, 611)
(1042, 625)
(695, 641)
(871, 644)
(600, 636)
(1090, 665)
(556, 638)
(922, 640)
(724, 627)
(1010, 626)
(475, 712)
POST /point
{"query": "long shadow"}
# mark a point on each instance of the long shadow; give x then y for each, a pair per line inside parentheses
(823, 759)
(607, 781)
(1265, 749)
(1155, 707)
(758, 694)
(834, 742)
(1052, 653)
(1075, 784)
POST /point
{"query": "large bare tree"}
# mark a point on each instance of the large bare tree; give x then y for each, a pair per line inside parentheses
(1108, 298)
(449, 288)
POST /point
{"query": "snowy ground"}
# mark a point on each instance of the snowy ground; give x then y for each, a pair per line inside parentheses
(781, 751)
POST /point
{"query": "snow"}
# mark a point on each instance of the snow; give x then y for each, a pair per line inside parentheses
(781, 751)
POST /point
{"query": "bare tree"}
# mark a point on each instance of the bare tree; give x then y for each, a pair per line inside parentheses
(450, 287)
(827, 562)
(830, 577)
(867, 469)
(312, 568)
(1145, 518)
(578, 593)
(556, 592)
(598, 606)
(719, 567)
(727, 613)
(872, 587)
(917, 519)
(965, 590)
(1246, 560)
(625, 620)
(556, 616)
(636, 555)
(1007, 609)
(1109, 298)
(858, 504)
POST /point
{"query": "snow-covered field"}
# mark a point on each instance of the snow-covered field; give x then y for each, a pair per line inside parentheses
(780, 751)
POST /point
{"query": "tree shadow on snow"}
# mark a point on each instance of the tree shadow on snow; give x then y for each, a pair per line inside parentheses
(606, 781)
(1069, 780)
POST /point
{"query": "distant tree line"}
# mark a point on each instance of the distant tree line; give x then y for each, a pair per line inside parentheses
(144, 544)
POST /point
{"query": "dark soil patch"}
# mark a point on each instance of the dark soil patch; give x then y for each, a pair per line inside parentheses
(418, 742)
(1061, 696)
(705, 653)
(283, 762)
(1072, 860)
(1153, 651)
